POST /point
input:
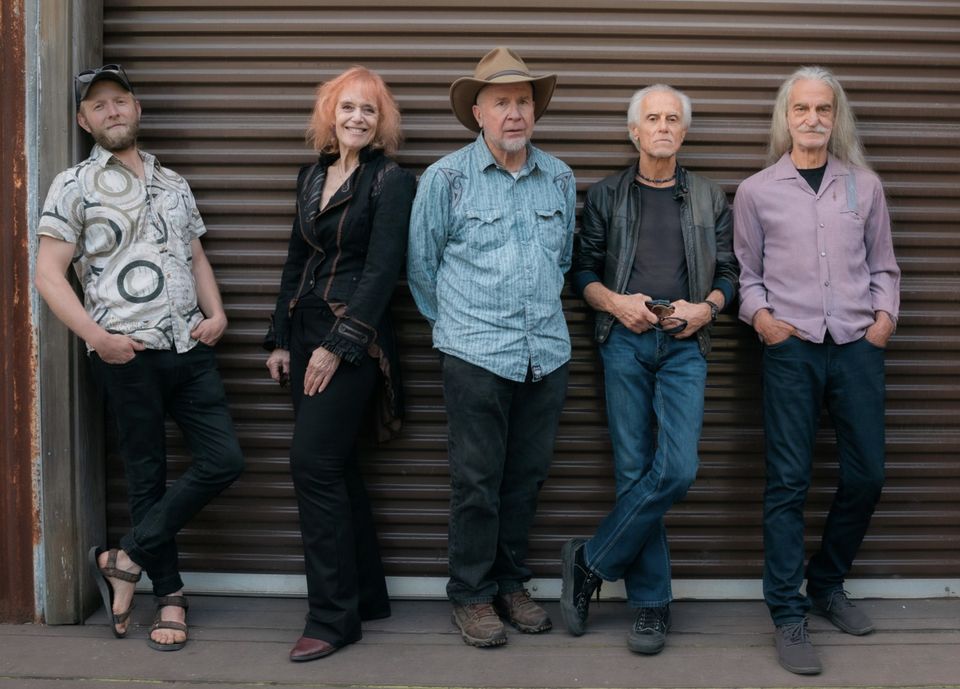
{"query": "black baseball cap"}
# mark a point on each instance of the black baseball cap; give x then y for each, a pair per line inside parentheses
(83, 81)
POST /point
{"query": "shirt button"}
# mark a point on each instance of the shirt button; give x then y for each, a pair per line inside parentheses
(829, 313)
(823, 253)
(826, 284)
(821, 224)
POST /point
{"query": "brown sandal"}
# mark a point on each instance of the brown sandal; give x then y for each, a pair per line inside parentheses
(163, 601)
(106, 589)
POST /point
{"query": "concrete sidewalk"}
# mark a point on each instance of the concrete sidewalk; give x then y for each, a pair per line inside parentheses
(243, 642)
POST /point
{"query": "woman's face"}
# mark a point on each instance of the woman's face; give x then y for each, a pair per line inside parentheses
(356, 119)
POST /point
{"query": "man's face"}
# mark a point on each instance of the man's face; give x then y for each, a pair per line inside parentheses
(810, 113)
(659, 130)
(111, 114)
(505, 113)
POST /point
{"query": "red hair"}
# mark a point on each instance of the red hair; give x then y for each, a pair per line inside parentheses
(321, 133)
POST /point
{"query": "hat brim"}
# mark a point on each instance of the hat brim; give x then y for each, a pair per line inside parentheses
(463, 95)
(103, 76)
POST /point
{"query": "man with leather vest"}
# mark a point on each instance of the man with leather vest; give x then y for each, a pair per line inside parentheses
(655, 260)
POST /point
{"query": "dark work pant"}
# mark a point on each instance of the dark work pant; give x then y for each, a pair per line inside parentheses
(345, 579)
(798, 378)
(140, 394)
(501, 438)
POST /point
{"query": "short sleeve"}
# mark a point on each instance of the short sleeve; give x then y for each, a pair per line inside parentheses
(63, 212)
(194, 228)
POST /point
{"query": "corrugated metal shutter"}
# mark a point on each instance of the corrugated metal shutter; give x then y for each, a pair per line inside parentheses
(226, 89)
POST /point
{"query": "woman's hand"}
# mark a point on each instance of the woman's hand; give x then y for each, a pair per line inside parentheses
(323, 364)
(278, 363)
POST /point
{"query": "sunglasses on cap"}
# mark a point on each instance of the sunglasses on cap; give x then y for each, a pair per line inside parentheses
(84, 80)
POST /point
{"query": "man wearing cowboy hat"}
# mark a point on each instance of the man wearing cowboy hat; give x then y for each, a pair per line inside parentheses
(491, 235)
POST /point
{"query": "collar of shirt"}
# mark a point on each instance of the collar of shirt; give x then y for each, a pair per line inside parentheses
(483, 158)
(102, 157)
(784, 169)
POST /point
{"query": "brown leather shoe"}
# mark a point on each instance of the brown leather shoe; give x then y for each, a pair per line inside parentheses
(479, 625)
(522, 612)
(310, 649)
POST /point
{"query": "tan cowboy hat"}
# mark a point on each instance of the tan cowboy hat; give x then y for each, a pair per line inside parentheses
(499, 66)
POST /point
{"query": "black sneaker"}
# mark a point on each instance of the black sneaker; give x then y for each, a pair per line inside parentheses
(578, 585)
(649, 631)
(794, 650)
(837, 608)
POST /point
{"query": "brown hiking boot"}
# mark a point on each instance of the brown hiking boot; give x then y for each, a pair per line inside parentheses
(479, 625)
(522, 612)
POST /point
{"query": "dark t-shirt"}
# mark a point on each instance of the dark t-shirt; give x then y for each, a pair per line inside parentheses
(660, 265)
(814, 176)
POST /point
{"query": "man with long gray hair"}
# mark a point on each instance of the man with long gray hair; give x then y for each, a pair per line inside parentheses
(655, 261)
(820, 285)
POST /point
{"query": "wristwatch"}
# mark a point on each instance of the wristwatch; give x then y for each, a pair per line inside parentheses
(714, 310)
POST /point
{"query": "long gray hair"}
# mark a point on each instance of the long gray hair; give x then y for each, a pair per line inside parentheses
(844, 141)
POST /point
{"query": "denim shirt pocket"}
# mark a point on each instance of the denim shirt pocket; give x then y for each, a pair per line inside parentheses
(550, 228)
(484, 228)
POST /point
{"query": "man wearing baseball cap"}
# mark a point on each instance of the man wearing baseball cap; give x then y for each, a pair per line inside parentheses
(490, 239)
(150, 317)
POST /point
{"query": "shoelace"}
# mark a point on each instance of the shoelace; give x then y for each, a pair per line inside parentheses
(521, 599)
(583, 599)
(796, 633)
(481, 611)
(649, 618)
(838, 600)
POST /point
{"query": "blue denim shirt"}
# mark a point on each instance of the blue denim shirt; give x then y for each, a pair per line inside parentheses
(486, 259)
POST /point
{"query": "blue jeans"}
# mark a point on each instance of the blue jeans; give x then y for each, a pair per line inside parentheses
(648, 377)
(140, 394)
(798, 379)
(501, 437)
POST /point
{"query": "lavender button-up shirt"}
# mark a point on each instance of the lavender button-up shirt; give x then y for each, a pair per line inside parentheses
(822, 262)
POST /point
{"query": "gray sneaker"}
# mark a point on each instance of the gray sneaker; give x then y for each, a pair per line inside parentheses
(794, 650)
(649, 631)
(837, 608)
(479, 625)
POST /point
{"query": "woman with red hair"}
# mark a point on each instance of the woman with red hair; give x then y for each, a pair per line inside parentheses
(331, 336)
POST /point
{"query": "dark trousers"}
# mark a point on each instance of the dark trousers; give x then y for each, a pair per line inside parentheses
(798, 378)
(140, 394)
(501, 438)
(345, 579)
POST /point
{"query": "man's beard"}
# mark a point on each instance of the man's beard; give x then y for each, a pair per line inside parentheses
(511, 145)
(118, 141)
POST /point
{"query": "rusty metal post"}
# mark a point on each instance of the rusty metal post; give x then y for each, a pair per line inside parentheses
(19, 521)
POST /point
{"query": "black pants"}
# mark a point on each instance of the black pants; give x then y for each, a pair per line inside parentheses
(799, 378)
(501, 437)
(141, 393)
(345, 580)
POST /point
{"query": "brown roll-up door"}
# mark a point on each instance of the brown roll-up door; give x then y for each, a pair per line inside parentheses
(226, 89)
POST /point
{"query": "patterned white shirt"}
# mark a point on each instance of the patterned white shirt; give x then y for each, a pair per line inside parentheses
(133, 254)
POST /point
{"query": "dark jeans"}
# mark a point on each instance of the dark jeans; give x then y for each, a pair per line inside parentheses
(501, 437)
(141, 393)
(649, 376)
(798, 378)
(345, 579)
